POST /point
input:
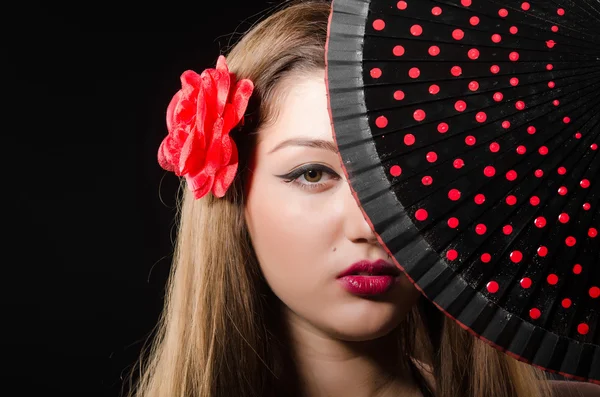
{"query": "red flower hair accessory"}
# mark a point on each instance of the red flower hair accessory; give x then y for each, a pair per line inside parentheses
(199, 119)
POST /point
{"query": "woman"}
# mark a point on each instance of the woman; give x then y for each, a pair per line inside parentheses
(258, 301)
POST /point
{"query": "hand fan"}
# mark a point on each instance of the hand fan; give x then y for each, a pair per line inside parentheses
(469, 133)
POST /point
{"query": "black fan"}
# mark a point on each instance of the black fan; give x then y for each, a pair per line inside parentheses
(469, 133)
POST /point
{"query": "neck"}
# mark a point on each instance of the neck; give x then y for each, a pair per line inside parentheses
(330, 367)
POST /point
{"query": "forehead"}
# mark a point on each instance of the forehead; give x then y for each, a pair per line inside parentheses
(302, 111)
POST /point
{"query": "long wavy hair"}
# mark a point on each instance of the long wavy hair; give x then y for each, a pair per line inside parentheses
(220, 333)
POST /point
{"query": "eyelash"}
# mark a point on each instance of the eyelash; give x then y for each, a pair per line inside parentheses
(293, 176)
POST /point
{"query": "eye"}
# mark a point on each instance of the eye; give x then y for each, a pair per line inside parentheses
(311, 176)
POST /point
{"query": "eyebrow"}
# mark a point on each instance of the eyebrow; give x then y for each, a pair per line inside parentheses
(307, 142)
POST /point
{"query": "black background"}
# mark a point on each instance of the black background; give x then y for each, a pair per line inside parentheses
(88, 211)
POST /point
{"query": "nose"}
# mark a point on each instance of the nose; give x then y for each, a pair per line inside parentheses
(356, 227)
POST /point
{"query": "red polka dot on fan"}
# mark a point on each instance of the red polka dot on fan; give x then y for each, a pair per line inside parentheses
(452, 254)
(563, 217)
(454, 194)
(431, 157)
(378, 24)
(398, 50)
(381, 121)
(552, 279)
(492, 287)
(583, 328)
(525, 282)
(419, 115)
(479, 199)
(434, 50)
(416, 30)
(376, 73)
(453, 222)
(460, 106)
(421, 214)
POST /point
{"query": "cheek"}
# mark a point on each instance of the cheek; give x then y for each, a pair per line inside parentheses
(293, 236)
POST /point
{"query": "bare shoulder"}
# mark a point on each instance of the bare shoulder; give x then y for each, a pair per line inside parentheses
(563, 388)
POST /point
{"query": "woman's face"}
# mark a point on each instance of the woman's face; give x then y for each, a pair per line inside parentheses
(306, 227)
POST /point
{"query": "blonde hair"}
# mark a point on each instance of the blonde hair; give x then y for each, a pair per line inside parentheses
(219, 334)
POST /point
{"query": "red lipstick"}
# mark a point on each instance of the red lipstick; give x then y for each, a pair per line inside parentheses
(369, 278)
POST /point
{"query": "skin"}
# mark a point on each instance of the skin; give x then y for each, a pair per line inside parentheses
(305, 232)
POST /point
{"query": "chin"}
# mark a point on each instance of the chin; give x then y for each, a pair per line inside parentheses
(366, 320)
(363, 335)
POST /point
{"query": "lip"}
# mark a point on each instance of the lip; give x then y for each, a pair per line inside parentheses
(367, 278)
(372, 268)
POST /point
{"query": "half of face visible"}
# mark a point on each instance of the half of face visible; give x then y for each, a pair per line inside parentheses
(307, 228)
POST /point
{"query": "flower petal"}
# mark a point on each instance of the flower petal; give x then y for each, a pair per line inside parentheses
(225, 176)
(171, 111)
(227, 148)
(201, 113)
(190, 82)
(213, 155)
(200, 184)
(237, 108)
(221, 77)
(210, 98)
(192, 154)
(165, 158)
(185, 110)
